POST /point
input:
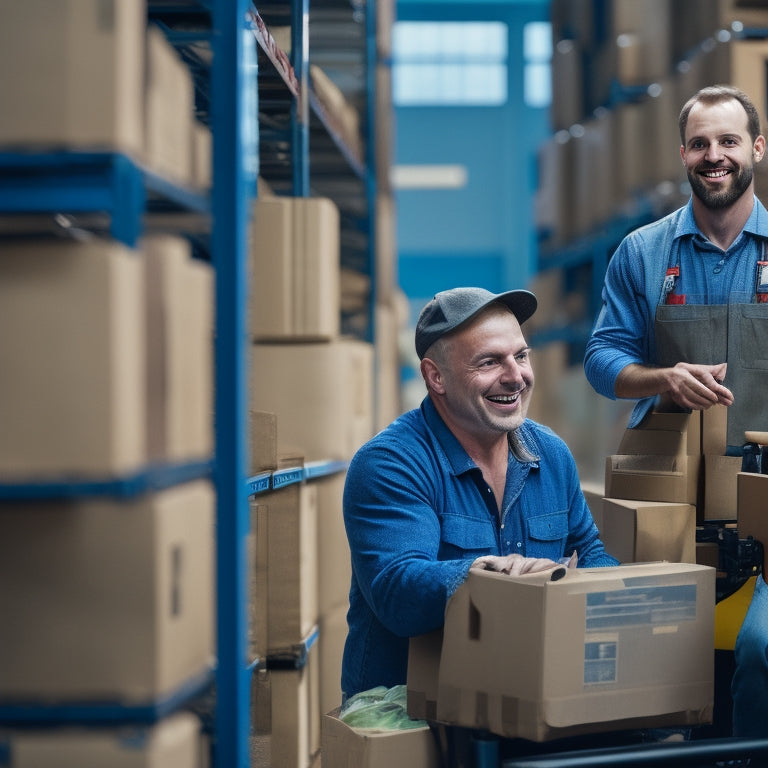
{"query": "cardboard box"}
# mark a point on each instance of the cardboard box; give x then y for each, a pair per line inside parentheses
(174, 742)
(334, 559)
(752, 491)
(73, 351)
(78, 74)
(179, 345)
(285, 707)
(333, 635)
(331, 418)
(107, 600)
(285, 584)
(347, 747)
(714, 426)
(644, 531)
(601, 649)
(295, 262)
(262, 430)
(653, 478)
(594, 494)
(170, 108)
(664, 434)
(720, 487)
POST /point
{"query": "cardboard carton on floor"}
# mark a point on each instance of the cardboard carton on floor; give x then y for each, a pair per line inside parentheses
(602, 649)
(347, 747)
(174, 742)
(644, 531)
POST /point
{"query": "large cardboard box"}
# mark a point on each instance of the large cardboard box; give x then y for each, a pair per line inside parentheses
(73, 351)
(169, 112)
(174, 742)
(644, 531)
(107, 600)
(752, 511)
(78, 74)
(179, 350)
(285, 588)
(664, 434)
(295, 262)
(653, 478)
(333, 634)
(322, 394)
(601, 649)
(347, 747)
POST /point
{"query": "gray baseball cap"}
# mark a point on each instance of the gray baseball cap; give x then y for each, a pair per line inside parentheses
(449, 309)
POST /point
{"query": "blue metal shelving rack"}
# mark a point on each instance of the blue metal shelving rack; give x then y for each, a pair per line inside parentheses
(115, 194)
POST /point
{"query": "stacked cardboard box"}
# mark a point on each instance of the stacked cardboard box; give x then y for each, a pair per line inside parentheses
(172, 743)
(90, 75)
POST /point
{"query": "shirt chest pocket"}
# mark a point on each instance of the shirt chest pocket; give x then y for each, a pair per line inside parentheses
(462, 536)
(550, 528)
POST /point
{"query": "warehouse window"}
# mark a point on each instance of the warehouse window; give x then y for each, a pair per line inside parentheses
(537, 53)
(449, 63)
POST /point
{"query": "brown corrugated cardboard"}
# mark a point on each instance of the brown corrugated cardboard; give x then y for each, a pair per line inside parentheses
(708, 553)
(73, 351)
(320, 392)
(594, 493)
(644, 531)
(170, 105)
(179, 351)
(174, 742)
(286, 714)
(295, 294)
(333, 634)
(285, 522)
(78, 74)
(653, 478)
(112, 600)
(720, 487)
(334, 563)
(262, 430)
(752, 512)
(347, 747)
(664, 434)
(601, 649)
(714, 425)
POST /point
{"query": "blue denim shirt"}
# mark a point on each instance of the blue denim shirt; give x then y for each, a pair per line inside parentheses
(624, 328)
(418, 513)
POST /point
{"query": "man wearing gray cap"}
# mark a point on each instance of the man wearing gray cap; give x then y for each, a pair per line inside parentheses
(465, 481)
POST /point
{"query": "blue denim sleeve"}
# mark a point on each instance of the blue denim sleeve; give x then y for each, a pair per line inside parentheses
(390, 500)
(623, 326)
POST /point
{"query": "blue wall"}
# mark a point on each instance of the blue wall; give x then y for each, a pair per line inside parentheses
(481, 234)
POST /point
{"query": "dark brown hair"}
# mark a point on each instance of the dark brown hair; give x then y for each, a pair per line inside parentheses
(714, 94)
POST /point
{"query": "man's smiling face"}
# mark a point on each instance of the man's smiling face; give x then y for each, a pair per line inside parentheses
(718, 153)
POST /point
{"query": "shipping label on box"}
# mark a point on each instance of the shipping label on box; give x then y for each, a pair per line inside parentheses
(532, 658)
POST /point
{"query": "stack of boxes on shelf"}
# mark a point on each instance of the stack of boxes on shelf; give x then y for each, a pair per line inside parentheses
(618, 87)
(107, 595)
(311, 400)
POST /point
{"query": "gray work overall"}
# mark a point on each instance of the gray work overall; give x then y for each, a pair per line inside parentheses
(709, 334)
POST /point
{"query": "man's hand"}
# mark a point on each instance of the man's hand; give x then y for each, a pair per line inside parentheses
(694, 387)
(515, 565)
(698, 387)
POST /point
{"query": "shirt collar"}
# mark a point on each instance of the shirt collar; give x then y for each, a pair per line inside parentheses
(757, 223)
(458, 458)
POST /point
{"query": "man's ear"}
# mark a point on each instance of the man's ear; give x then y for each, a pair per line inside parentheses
(758, 148)
(432, 376)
